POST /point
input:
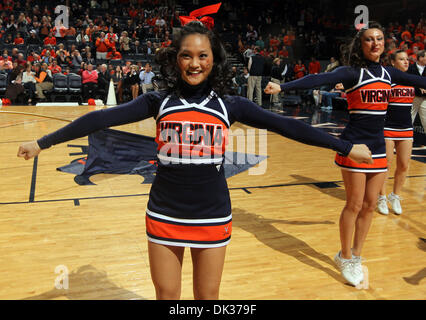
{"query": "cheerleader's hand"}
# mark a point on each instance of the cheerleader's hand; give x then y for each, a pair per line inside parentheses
(29, 150)
(360, 154)
(272, 88)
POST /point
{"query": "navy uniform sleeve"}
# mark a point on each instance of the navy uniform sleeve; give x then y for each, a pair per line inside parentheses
(141, 108)
(406, 79)
(249, 113)
(346, 75)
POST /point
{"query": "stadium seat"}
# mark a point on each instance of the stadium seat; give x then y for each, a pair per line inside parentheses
(74, 86)
(3, 83)
(60, 86)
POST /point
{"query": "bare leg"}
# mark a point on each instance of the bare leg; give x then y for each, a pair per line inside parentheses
(355, 188)
(403, 156)
(166, 270)
(390, 145)
(373, 184)
(207, 274)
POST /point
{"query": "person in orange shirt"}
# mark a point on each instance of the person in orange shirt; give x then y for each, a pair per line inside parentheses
(44, 81)
(18, 39)
(167, 42)
(299, 69)
(102, 46)
(54, 67)
(113, 54)
(50, 39)
(314, 66)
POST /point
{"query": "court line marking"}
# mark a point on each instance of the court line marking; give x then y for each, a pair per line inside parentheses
(244, 189)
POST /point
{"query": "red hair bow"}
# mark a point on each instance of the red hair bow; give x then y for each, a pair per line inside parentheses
(207, 21)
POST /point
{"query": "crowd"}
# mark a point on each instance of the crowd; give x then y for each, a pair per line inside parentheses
(282, 42)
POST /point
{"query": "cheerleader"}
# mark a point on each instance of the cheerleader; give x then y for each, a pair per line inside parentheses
(398, 133)
(368, 91)
(189, 203)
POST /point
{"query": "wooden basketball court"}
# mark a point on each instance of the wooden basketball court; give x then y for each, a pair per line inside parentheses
(285, 225)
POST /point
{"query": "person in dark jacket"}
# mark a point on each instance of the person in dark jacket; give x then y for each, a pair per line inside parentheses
(256, 67)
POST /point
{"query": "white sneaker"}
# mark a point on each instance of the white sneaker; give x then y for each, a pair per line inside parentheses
(350, 268)
(382, 205)
(394, 200)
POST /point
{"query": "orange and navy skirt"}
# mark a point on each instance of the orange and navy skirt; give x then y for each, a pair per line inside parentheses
(398, 134)
(189, 206)
(379, 164)
(195, 233)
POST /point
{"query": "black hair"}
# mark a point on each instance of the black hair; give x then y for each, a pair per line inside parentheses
(394, 54)
(352, 54)
(220, 77)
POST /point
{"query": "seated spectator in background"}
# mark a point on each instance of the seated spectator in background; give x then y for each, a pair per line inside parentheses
(8, 39)
(113, 54)
(148, 49)
(88, 58)
(131, 80)
(61, 47)
(112, 37)
(14, 54)
(16, 70)
(43, 79)
(76, 59)
(21, 60)
(54, 67)
(89, 80)
(34, 39)
(117, 78)
(332, 65)
(103, 81)
(15, 91)
(61, 57)
(260, 43)
(124, 42)
(50, 39)
(283, 53)
(126, 68)
(102, 46)
(29, 82)
(33, 57)
(419, 41)
(6, 65)
(5, 56)
(241, 80)
(314, 66)
(18, 39)
(326, 97)
(299, 69)
(167, 42)
(50, 50)
(146, 78)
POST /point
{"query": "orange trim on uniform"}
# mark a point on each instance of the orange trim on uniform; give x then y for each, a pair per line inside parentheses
(379, 163)
(188, 232)
(398, 134)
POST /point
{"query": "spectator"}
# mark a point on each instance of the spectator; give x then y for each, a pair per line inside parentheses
(89, 80)
(33, 57)
(299, 69)
(54, 67)
(117, 79)
(102, 46)
(113, 54)
(15, 91)
(103, 81)
(50, 39)
(18, 39)
(76, 59)
(34, 39)
(131, 80)
(124, 42)
(332, 65)
(276, 77)
(29, 82)
(256, 66)
(314, 66)
(146, 78)
(43, 79)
